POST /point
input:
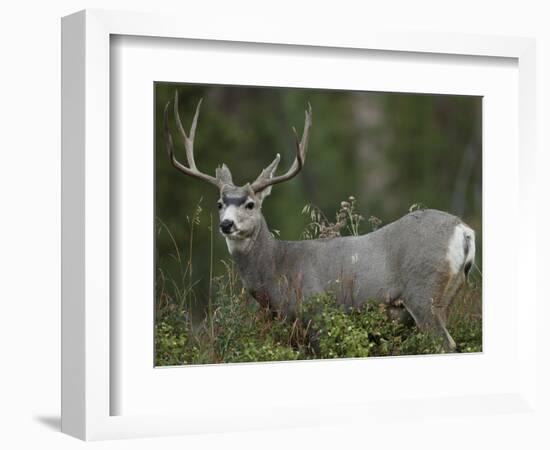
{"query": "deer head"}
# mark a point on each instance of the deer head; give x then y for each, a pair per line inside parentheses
(239, 206)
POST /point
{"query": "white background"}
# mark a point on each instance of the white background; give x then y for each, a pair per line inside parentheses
(30, 186)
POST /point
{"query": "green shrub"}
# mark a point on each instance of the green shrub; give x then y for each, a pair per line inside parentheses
(172, 346)
(239, 330)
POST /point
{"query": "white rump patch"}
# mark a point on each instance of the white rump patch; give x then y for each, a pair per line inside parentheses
(463, 238)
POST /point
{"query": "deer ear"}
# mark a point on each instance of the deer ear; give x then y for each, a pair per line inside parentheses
(223, 174)
(263, 194)
(266, 174)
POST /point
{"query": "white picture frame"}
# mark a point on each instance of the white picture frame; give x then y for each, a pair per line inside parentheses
(88, 386)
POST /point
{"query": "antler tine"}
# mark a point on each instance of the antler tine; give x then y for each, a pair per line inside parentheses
(188, 142)
(301, 151)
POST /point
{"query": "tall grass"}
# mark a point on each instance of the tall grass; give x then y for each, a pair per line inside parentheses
(236, 329)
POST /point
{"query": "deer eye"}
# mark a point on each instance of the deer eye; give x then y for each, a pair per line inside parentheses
(220, 205)
(249, 205)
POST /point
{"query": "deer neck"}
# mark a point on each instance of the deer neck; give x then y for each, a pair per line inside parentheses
(250, 255)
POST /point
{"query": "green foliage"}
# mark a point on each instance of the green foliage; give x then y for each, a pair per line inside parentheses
(173, 346)
(239, 330)
(338, 334)
(365, 331)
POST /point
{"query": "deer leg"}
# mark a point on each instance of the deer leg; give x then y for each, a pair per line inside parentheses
(429, 317)
(450, 344)
(442, 307)
(450, 293)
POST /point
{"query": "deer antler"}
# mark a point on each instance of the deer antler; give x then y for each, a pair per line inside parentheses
(265, 180)
(187, 142)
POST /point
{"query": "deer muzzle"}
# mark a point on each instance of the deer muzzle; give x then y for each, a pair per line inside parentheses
(226, 226)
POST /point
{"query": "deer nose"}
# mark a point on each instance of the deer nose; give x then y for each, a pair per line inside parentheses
(226, 226)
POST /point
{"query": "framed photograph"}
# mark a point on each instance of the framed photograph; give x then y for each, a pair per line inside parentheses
(341, 284)
(248, 218)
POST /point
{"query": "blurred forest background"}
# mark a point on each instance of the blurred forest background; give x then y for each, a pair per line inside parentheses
(388, 150)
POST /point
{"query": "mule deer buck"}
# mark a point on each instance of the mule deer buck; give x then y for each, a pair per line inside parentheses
(420, 261)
